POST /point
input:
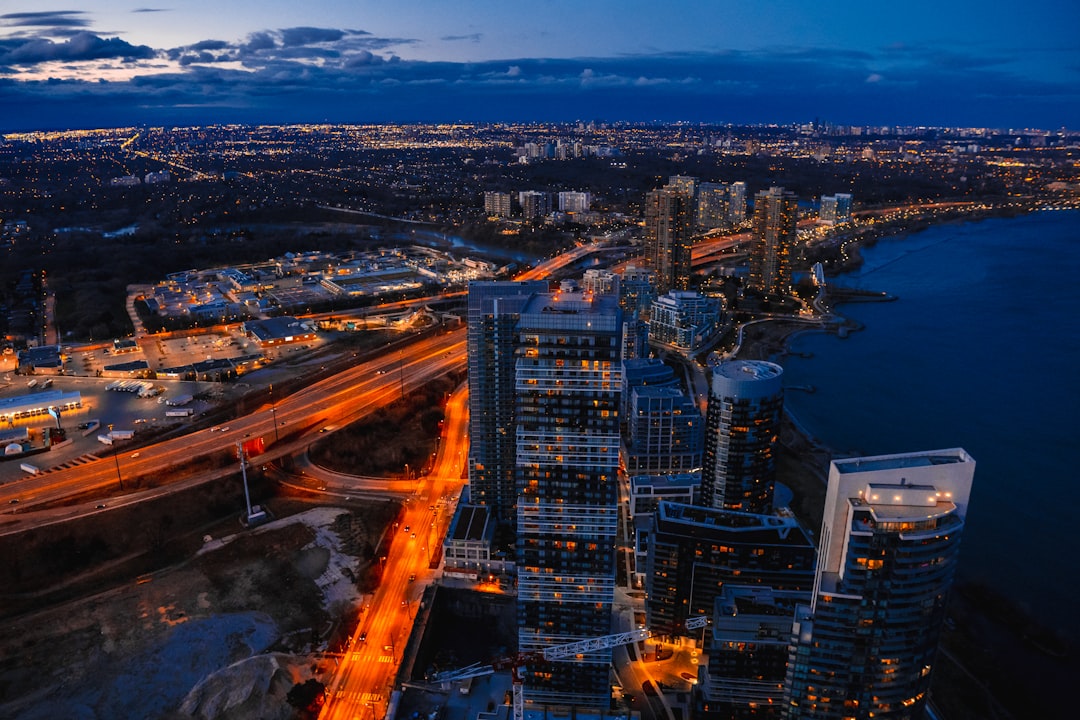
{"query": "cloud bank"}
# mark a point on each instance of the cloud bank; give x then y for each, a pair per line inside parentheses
(317, 74)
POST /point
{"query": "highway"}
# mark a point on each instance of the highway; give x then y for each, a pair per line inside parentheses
(338, 400)
(367, 668)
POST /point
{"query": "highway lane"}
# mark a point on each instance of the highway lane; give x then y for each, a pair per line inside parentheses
(336, 400)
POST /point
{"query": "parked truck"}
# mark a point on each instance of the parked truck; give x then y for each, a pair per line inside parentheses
(180, 412)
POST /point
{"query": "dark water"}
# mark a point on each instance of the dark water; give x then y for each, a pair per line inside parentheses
(981, 351)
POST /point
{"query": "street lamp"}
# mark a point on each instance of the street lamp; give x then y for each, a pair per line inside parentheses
(116, 459)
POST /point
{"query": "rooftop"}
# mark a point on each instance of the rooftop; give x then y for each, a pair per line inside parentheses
(902, 461)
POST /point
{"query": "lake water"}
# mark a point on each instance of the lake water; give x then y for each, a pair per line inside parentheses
(980, 352)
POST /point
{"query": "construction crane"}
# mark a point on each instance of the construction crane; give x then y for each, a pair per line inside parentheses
(517, 663)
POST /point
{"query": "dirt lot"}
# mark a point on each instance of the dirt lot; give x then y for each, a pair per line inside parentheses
(179, 643)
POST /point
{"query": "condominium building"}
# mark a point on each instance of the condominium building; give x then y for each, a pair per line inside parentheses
(748, 652)
(570, 201)
(742, 429)
(637, 289)
(738, 202)
(889, 547)
(773, 241)
(695, 551)
(534, 204)
(668, 228)
(666, 432)
(835, 208)
(494, 308)
(568, 387)
(598, 281)
(497, 204)
(713, 206)
(683, 319)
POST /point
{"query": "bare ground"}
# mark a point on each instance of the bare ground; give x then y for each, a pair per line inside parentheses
(138, 648)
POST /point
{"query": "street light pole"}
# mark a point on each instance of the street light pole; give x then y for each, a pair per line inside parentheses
(243, 474)
(273, 411)
(116, 459)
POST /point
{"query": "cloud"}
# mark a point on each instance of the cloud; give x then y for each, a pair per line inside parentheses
(307, 74)
(56, 18)
(81, 46)
(150, 10)
(209, 45)
(474, 37)
(291, 37)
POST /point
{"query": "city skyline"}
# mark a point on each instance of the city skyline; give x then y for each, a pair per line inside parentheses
(123, 63)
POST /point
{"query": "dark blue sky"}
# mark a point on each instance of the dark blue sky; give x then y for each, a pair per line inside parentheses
(111, 63)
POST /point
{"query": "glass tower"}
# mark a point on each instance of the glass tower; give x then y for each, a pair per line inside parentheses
(742, 428)
(889, 545)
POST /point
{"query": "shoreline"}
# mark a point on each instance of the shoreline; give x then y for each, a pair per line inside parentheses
(993, 653)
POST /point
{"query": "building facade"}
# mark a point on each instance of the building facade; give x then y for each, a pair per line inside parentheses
(668, 228)
(742, 429)
(738, 202)
(571, 201)
(568, 387)
(534, 204)
(773, 241)
(694, 551)
(637, 289)
(665, 432)
(713, 206)
(748, 652)
(890, 542)
(494, 308)
(835, 208)
(497, 204)
(683, 319)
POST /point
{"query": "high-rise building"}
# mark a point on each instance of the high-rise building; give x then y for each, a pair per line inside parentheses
(497, 203)
(665, 432)
(684, 184)
(683, 319)
(738, 202)
(835, 208)
(636, 291)
(748, 652)
(568, 382)
(742, 429)
(635, 340)
(599, 281)
(570, 201)
(695, 551)
(494, 308)
(889, 547)
(534, 204)
(773, 241)
(668, 226)
(713, 206)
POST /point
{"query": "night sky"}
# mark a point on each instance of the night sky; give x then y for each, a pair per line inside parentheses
(108, 63)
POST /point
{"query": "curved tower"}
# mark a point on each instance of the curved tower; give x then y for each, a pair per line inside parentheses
(742, 428)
